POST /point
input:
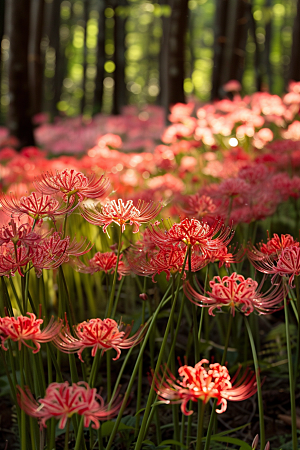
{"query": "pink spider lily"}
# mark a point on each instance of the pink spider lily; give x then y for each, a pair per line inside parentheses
(23, 329)
(236, 293)
(71, 183)
(34, 205)
(197, 383)
(18, 234)
(122, 213)
(168, 260)
(193, 232)
(62, 400)
(98, 334)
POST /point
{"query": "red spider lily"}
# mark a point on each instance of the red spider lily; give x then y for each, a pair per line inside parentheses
(62, 400)
(223, 256)
(193, 232)
(105, 262)
(23, 329)
(237, 293)
(34, 205)
(18, 234)
(70, 183)
(198, 383)
(53, 251)
(200, 206)
(169, 260)
(12, 260)
(272, 248)
(99, 334)
(122, 213)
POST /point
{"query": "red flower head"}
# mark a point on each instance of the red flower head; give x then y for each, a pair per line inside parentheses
(18, 234)
(195, 233)
(200, 206)
(71, 183)
(35, 206)
(237, 293)
(197, 383)
(121, 213)
(272, 248)
(12, 260)
(97, 334)
(62, 401)
(23, 329)
(106, 262)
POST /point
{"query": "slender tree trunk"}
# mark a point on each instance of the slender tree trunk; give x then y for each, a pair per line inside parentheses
(2, 14)
(54, 42)
(268, 39)
(98, 93)
(172, 56)
(295, 57)
(119, 59)
(19, 111)
(219, 46)
(257, 57)
(237, 61)
(36, 60)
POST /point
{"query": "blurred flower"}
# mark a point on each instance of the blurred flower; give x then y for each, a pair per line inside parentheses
(198, 383)
(61, 401)
(23, 329)
(122, 213)
(71, 183)
(105, 262)
(98, 334)
(236, 293)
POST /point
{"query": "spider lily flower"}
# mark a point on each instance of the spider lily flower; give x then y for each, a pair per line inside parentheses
(12, 260)
(197, 383)
(105, 262)
(193, 232)
(23, 329)
(18, 234)
(236, 293)
(168, 260)
(98, 334)
(71, 183)
(34, 205)
(272, 248)
(62, 400)
(122, 213)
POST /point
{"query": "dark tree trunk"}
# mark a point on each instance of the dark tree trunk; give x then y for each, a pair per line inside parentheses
(19, 111)
(295, 57)
(219, 46)
(36, 60)
(2, 14)
(268, 40)
(237, 60)
(119, 59)
(54, 42)
(172, 56)
(98, 93)
(84, 62)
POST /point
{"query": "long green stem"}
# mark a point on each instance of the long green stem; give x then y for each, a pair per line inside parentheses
(211, 420)
(112, 293)
(201, 408)
(298, 334)
(258, 382)
(140, 376)
(95, 366)
(291, 378)
(66, 447)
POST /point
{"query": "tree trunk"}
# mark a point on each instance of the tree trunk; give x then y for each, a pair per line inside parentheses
(219, 46)
(19, 111)
(2, 14)
(36, 60)
(84, 62)
(172, 58)
(257, 58)
(295, 57)
(237, 60)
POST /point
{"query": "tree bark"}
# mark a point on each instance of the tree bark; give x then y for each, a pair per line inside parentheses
(84, 62)
(219, 46)
(119, 59)
(19, 112)
(237, 60)
(98, 94)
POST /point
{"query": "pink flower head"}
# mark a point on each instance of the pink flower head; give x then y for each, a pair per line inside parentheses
(99, 334)
(35, 206)
(12, 260)
(18, 234)
(122, 213)
(107, 262)
(236, 293)
(200, 206)
(71, 183)
(62, 400)
(23, 329)
(197, 383)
